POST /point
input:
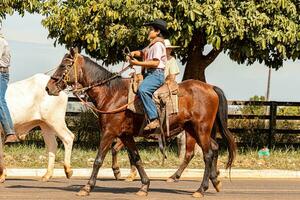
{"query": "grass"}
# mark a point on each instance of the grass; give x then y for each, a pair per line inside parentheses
(31, 156)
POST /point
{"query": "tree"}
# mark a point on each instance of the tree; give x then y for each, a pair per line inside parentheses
(10, 6)
(247, 30)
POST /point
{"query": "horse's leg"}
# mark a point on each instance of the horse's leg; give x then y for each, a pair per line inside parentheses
(203, 138)
(105, 144)
(133, 171)
(129, 142)
(67, 137)
(214, 170)
(2, 167)
(189, 154)
(51, 144)
(114, 151)
(115, 167)
(2, 176)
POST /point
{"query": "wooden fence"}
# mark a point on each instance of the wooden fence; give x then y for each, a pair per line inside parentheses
(271, 117)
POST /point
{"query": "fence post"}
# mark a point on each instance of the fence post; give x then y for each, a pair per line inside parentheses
(272, 124)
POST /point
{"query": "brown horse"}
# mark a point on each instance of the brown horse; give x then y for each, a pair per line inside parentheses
(200, 104)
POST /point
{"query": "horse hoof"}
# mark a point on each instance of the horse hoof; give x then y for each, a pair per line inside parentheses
(83, 193)
(69, 174)
(129, 179)
(218, 186)
(2, 178)
(141, 193)
(68, 171)
(171, 180)
(117, 176)
(46, 178)
(198, 195)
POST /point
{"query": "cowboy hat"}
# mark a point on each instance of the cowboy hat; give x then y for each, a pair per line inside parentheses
(168, 44)
(160, 24)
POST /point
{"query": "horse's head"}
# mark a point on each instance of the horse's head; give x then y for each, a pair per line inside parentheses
(66, 74)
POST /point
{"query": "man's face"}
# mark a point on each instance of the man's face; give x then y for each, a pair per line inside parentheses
(169, 51)
(153, 33)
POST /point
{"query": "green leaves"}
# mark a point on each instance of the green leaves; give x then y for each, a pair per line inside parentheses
(248, 30)
(9, 6)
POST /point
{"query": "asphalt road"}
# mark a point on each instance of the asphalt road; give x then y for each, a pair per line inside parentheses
(239, 189)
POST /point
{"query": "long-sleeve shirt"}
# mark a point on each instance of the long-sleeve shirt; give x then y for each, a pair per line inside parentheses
(4, 53)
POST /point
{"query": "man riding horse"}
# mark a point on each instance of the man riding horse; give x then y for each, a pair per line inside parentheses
(154, 62)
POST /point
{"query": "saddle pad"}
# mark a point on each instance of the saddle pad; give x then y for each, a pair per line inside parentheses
(137, 106)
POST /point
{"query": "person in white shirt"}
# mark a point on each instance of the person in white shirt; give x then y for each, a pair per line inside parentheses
(5, 117)
(171, 69)
(170, 73)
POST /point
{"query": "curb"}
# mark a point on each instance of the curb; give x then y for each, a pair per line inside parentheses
(158, 173)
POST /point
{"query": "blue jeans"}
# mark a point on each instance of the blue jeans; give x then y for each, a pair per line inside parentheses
(154, 78)
(5, 117)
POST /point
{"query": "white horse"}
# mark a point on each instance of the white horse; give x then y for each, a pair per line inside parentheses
(30, 106)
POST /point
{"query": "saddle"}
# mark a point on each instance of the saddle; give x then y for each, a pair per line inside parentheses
(166, 100)
(164, 97)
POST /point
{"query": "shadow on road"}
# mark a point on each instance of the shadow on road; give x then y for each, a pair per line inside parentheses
(99, 189)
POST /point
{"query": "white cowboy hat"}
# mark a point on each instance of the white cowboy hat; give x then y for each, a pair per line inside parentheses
(168, 44)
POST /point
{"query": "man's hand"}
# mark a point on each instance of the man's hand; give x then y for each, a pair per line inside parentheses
(132, 61)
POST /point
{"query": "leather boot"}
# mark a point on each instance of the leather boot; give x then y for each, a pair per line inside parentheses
(152, 125)
(11, 139)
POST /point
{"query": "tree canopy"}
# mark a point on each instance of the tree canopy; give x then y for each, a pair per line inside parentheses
(267, 31)
(10, 6)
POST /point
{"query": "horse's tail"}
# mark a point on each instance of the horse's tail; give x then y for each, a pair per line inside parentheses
(222, 117)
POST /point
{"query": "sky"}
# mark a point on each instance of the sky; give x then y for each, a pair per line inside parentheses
(33, 53)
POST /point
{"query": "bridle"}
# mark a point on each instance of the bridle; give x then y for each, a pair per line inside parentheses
(65, 78)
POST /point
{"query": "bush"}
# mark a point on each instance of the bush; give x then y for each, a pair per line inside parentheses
(86, 129)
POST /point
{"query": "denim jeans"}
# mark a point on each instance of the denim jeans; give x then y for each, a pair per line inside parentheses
(5, 117)
(154, 78)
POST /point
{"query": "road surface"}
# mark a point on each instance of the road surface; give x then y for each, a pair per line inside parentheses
(239, 189)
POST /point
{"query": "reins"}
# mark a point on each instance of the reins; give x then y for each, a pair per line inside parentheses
(76, 91)
(117, 110)
(84, 89)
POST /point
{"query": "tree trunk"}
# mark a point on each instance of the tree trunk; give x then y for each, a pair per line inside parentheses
(197, 62)
(195, 69)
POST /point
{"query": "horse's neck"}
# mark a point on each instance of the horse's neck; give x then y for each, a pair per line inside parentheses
(105, 95)
(101, 93)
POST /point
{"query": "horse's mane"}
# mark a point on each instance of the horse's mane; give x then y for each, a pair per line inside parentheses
(98, 73)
